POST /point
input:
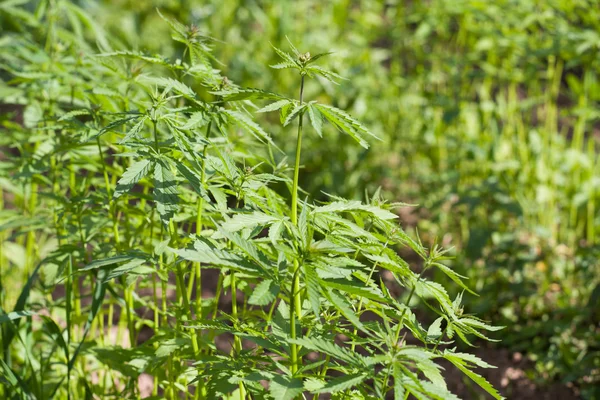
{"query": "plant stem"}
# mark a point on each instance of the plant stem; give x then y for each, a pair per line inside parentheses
(296, 307)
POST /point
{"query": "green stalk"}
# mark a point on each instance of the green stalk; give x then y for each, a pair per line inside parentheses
(200, 209)
(296, 308)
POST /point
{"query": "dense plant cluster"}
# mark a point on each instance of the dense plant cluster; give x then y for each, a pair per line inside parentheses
(128, 178)
(488, 114)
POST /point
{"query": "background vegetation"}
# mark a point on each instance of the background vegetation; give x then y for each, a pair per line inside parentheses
(488, 114)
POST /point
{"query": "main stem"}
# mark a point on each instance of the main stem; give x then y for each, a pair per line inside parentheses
(296, 308)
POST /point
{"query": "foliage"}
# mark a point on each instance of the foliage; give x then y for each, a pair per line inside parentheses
(127, 177)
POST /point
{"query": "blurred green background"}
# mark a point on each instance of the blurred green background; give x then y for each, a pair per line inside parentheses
(489, 114)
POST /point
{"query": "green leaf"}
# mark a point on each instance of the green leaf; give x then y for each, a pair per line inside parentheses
(264, 293)
(133, 132)
(247, 124)
(287, 58)
(316, 120)
(245, 221)
(340, 383)
(15, 315)
(193, 179)
(329, 347)
(293, 113)
(478, 379)
(345, 123)
(457, 278)
(344, 308)
(274, 106)
(313, 288)
(165, 192)
(350, 287)
(246, 94)
(435, 330)
(132, 175)
(329, 75)
(73, 114)
(285, 388)
(353, 205)
(107, 261)
(196, 120)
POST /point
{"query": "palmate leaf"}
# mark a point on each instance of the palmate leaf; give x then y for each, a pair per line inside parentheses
(285, 388)
(132, 175)
(329, 75)
(459, 362)
(247, 124)
(287, 58)
(345, 123)
(169, 84)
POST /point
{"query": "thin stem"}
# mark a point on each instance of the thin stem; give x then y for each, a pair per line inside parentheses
(296, 308)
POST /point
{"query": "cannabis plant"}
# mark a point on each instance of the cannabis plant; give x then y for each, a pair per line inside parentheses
(136, 178)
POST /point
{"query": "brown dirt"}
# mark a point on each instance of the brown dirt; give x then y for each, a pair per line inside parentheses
(509, 378)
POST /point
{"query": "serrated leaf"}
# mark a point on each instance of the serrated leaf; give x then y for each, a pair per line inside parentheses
(107, 262)
(435, 330)
(329, 75)
(354, 288)
(244, 221)
(478, 379)
(285, 56)
(132, 175)
(196, 120)
(192, 178)
(345, 123)
(165, 192)
(264, 293)
(457, 278)
(340, 383)
(274, 106)
(353, 205)
(134, 131)
(313, 288)
(247, 124)
(73, 114)
(329, 347)
(293, 113)
(238, 94)
(316, 120)
(344, 308)
(285, 388)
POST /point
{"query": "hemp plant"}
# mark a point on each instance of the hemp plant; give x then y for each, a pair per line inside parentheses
(168, 177)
